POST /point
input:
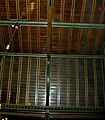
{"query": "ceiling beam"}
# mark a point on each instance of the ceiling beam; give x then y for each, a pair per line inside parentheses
(52, 55)
(78, 25)
(54, 24)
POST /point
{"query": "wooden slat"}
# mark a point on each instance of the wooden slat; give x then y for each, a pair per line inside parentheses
(98, 34)
(88, 40)
(1, 74)
(58, 80)
(17, 9)
(49, 29)
(71, 20)
(29, 38)
(7, 9)
(8, 18)
(19, 80)
(68, 81)
(61, 20)
(103, 77)
(10, 80)
(95, 83)
(28, 27)
(1, 38)
(37, 80)
(102, 12)
(38, 28)
(77, 82)
(80, 30)
(86, 82)
(28, 81)
(90, 30)
(19, 29)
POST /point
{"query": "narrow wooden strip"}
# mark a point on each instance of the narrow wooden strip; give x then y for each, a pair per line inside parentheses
(68, 82)
(103, 77)
(86, 82)
(28, 82)
(19, 79)
(77, 82)
(10, 80)
(95, 83)
(58, 78)
(37, 79)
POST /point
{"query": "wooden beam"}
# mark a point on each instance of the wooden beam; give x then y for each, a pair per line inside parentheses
(27, 102)
(49, 29)
(10, 80)
(77, 82)
(28, 27)
(61, 29)
(8, 18)
(103, 77)
(38, 28)
(90, 30)
(37, 80)
(80, 30)
(95, 83)
(86, 82)
(58, 81)
(98, 34)
(19, 29)
(68, 82)
(19, 79)
(71, 30)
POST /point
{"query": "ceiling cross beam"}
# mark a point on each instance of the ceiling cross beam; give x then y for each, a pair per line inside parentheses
(54, 24)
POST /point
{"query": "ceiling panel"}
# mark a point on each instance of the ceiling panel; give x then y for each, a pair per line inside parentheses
(69, 39)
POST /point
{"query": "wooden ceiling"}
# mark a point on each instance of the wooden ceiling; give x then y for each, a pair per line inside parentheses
(50, 35)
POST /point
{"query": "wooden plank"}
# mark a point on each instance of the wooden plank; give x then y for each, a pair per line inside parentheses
(49, 29)
(9, 27)
(80, 30)
(38, 28)
(71, 20)
(28, 82)
(95, 83)
(7, 9)
(61, 20)
(86, 82)
(90, 30)
(19, 79)
(58, 81)
(28, 27)
(103, 77)
(68, 81)
(98, 34)
(19, 29)
(10, 80)
(37, 80)
(17, 9)
(77, 82)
